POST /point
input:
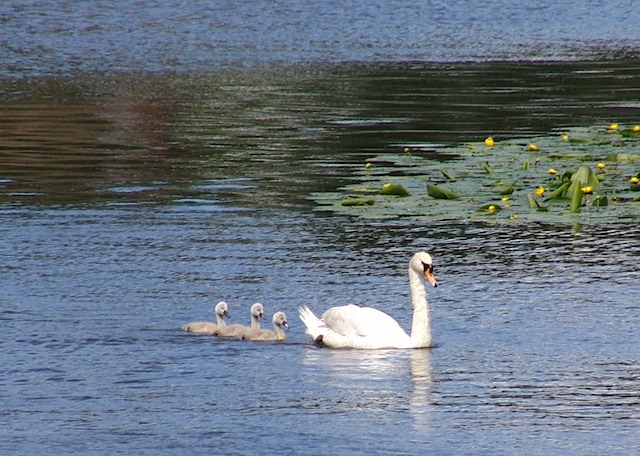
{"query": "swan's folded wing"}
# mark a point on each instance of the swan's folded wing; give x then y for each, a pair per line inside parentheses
(353, 320)
(232, 331)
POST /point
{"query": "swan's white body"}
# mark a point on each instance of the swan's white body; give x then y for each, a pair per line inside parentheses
(237, 330)
(367, 328)
(279, 320)
(208, 327)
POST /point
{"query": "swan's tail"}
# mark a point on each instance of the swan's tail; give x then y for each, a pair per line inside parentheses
(313, 325)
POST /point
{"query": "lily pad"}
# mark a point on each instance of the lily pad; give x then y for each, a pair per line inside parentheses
(559, 192)
(533, 204)
(584, 176)
(358, 202)
(440, 193)
(600, 201)
(576, 198)
(447, 175)
(394, 190)
(508, 189)
(434, 194)
(490, 209)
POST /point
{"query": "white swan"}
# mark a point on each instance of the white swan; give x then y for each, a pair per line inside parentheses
(279, 320)
(207, 327)
(367, 328)
(237, 330)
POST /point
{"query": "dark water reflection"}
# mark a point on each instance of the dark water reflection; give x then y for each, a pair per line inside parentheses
(270, 138)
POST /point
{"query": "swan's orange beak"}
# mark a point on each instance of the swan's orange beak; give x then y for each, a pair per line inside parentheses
(428, 274)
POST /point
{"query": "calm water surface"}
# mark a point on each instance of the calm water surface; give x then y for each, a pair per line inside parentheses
(152, 167)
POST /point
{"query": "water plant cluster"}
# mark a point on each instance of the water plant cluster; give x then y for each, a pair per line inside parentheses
(575, 175)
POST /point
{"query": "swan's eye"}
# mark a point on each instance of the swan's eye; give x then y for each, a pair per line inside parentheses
(427, 267)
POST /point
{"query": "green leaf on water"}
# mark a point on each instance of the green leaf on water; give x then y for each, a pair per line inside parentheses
(533, 204)
(508, 189)
(559, 192)
(576, 198)
(559, 200)
(358, 202)
(394, 190)
(447, 175)
(600, 201)
(440, 193)
(629, 133)
(584, 176)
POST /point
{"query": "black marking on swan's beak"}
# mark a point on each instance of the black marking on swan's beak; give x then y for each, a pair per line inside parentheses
(429, 274)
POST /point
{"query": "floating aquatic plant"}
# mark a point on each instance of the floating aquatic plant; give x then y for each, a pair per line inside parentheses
(440, 193)
(584, 175)
(390, 189)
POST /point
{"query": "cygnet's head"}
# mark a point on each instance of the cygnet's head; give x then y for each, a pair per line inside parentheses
(280, 319)
(222, 309)
(257, 310)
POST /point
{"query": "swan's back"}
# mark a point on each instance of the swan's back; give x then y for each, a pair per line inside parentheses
(352, 326)
(352, 320)
(201, 327)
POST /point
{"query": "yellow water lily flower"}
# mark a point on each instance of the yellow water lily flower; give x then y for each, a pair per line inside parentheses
(636, 128)
(368, 165)
(564, 137)
(539, 190)
(552, 171)
(505, 198)
(492, 208)
(533, 147)
(634, 180)
(489, 142)
(587, 190)
(613, 126)
(601, 165)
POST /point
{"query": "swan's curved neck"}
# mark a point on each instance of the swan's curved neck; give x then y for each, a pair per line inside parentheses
(255, 323)
(220, 320)
(421, 326)
(280, 335)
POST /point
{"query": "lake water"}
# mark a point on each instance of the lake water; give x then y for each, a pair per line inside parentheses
(156, 160)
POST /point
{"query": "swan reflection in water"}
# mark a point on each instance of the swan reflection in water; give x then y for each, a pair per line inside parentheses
(422, 379)
(372, 380)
